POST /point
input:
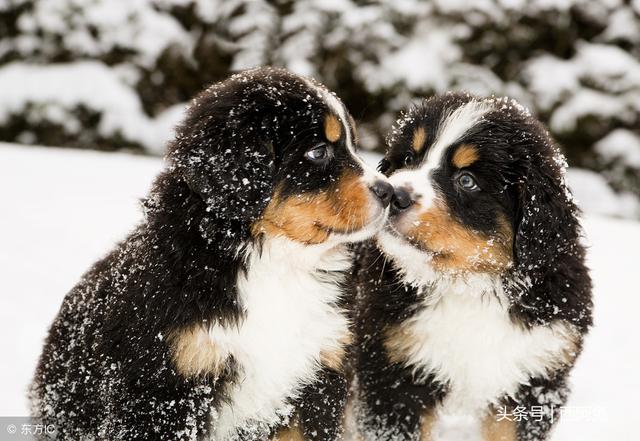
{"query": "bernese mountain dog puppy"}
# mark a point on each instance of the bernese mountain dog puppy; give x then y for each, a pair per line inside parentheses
(474, 303)
(222, 316)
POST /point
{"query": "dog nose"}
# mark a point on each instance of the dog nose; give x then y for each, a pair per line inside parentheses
(384, 191)
(401, 200)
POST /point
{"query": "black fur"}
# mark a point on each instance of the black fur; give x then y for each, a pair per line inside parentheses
(520, 173)
(106, 371)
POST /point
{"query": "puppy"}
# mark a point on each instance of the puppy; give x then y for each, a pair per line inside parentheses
(222, 316)
(476, 300)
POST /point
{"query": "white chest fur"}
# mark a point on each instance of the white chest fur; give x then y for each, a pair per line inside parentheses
(468, 341)
(289, 295)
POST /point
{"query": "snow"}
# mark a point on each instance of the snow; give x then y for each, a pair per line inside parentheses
(63, 209)
(95, 27)
(620, 144)
(588, 102)
(59, 89)
(599, 80)
(609, 66)
(550, 78)
(596, 197)
(389, 53)
(421, 63)
(622, 25)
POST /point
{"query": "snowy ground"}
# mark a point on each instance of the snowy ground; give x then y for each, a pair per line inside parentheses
(62, 209)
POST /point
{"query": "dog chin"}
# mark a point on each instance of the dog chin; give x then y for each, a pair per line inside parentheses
(414, 263)
(364, 233)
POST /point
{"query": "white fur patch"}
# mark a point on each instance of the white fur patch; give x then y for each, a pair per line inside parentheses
(414, 264)
(291, 316)
(465, 337)
(454, 126)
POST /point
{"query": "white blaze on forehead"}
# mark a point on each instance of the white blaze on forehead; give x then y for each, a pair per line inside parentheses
(453, 126)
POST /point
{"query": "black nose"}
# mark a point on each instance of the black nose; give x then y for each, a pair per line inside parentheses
(401, 200)
(383, 190)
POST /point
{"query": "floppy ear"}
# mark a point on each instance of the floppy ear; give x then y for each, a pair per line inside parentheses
(550, 280)
(226, 158)
(546, 220)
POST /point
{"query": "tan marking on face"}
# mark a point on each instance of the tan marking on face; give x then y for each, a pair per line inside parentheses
(194, 353)
(309, 218)
(457, 247)
(419, 137)
(332, 127)
(495, 428)
(293, 432)
(465, 155)
(334, 357)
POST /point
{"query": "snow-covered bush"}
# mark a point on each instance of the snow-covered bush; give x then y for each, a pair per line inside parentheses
(575, 63)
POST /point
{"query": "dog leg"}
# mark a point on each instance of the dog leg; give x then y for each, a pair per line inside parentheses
(542, 400)
(176, 411)
(322, 406)
(391, 404)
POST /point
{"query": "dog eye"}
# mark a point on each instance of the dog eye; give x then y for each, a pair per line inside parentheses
(467, 182)
(318, 153)
(408, 159)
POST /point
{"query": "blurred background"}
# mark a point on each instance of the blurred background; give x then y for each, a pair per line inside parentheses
(98, 86)
(116, 74)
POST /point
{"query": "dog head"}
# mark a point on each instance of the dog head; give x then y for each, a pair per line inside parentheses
(479, 189)
(271, 153)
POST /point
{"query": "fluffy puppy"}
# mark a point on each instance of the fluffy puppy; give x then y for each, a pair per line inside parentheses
(221, 316)
(475, 302)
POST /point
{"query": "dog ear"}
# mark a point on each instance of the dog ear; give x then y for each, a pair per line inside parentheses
(550, 277)
(226, 157)
(546, 216)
